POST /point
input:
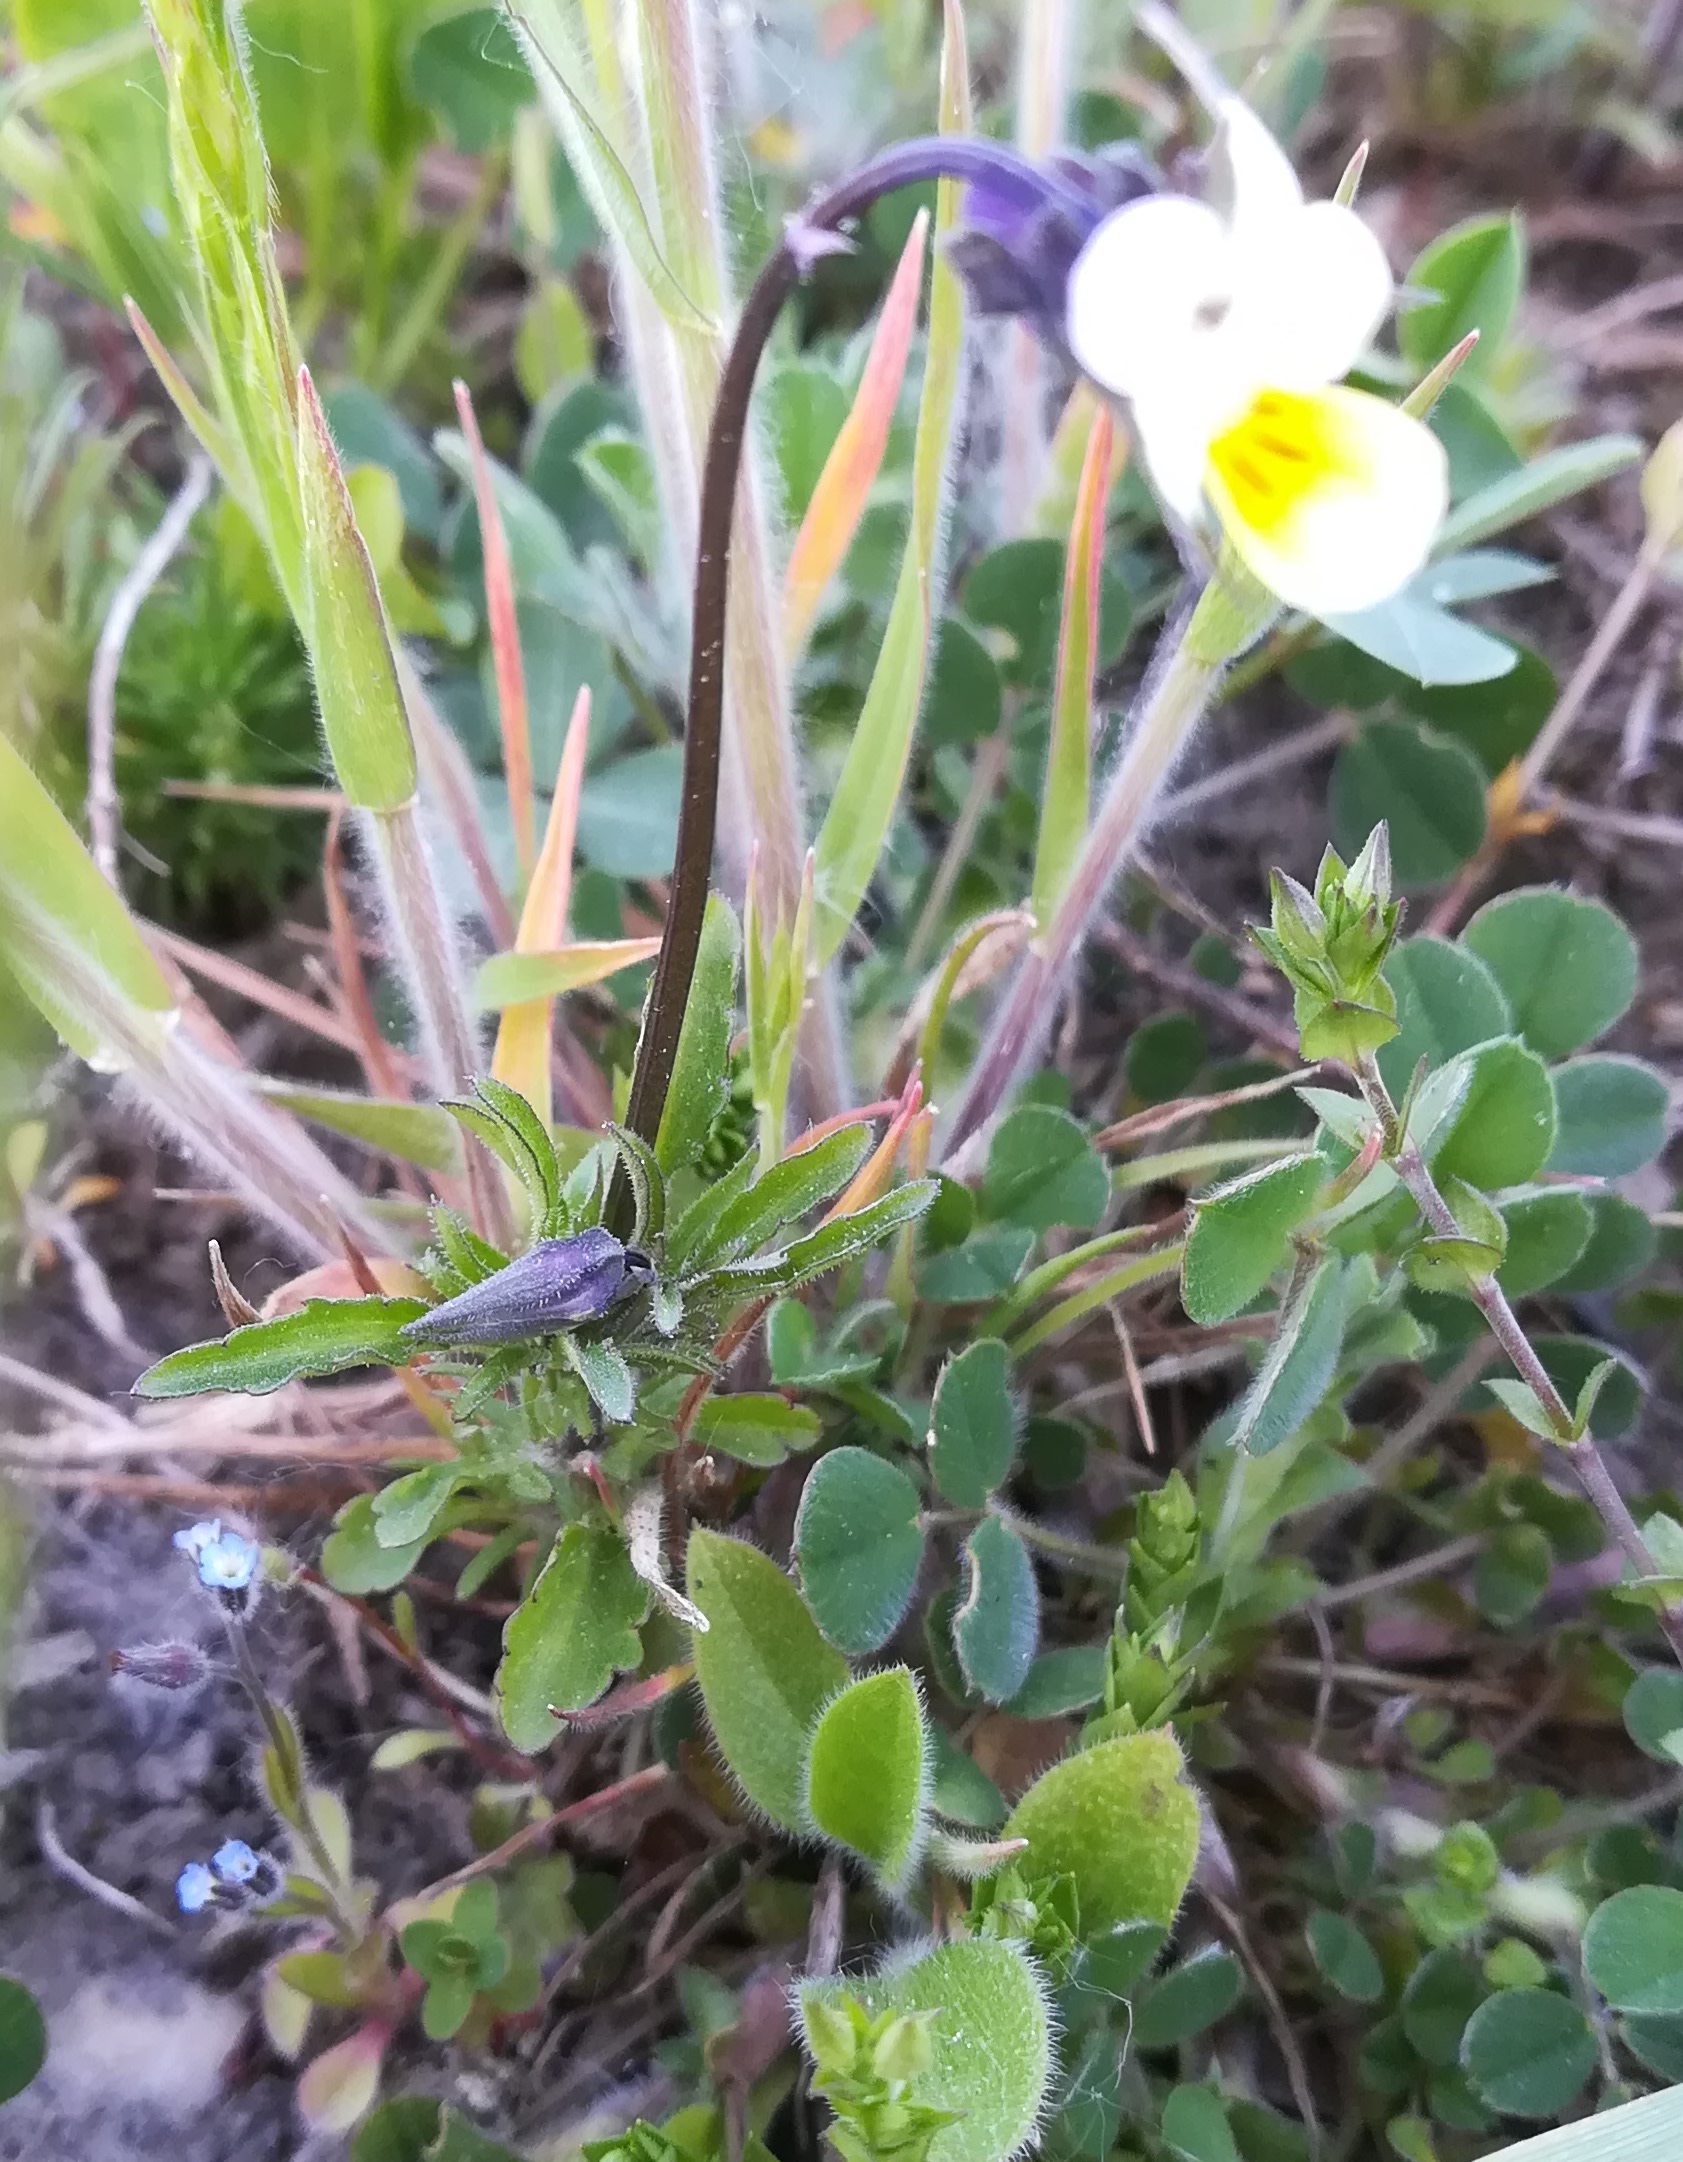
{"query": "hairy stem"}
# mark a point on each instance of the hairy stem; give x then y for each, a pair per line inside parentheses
(1582, 1453)
(1176, 695)
(281, 1744)
(926, 158)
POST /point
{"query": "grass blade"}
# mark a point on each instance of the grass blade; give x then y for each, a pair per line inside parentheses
(838, 501)
(855, 828)
(521, 1055)
(1066, 801)
(601, 167)
(80, 959)
(505, 645)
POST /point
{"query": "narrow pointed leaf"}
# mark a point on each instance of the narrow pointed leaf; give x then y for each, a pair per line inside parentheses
(522, 1052)
(850, 842)
(1064, 804)
(516, 980)
(422, 1134)
(324, 1337)
(696, 1093)
(65, 935)
(561, 81)
(838, 501)
(507, 666)
(791, 1188)
(350, 644)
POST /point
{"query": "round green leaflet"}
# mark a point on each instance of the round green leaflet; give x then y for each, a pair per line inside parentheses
(1527, 2052)
(858, 1546)
(1633, 1949)
(23, 2038)
(1566, 965)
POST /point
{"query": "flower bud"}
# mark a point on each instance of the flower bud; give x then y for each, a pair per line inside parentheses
(163, 1666)
(553, 1285)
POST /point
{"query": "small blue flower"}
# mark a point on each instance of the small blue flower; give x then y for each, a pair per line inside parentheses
(235, 1863)
(226, 1560)
(195, 1889)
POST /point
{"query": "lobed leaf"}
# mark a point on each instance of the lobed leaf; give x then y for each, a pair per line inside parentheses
(572, 1633)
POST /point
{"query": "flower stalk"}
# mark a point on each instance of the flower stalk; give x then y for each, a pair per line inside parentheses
(1589, 1466)
(1229, 613)
(807, 239)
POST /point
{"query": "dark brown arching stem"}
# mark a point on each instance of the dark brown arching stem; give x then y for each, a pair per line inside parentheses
(1589, 1467)
(692, 866)
(927, 158)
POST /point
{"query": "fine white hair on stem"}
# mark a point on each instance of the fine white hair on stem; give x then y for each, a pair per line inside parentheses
(1178, 687)
(104, 808)
(268, 1161)
(1183, 51)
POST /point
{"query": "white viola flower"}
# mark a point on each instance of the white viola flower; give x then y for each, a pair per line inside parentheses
(1226, 327)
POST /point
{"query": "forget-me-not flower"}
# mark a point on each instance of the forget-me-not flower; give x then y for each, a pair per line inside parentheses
(225, 1559)
(235, 1863)
(195, 1889)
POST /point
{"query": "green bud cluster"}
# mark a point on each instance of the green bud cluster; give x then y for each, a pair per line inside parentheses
(1330, 946)
(1145, 1675)
(731, 1134)
(639, 2142)
(1455, 1904)
(1041, 1913)
(865, 2064)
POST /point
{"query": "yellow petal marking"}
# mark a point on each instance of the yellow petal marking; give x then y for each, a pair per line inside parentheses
(1332, 497)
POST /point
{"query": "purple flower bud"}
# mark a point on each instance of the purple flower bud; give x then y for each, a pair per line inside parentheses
(1024, 220)
(162, 1666)
(1015, 248)
(554, 1284)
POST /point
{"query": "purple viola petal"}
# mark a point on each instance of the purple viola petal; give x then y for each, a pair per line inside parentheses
(998, 281)
(554, 1284)
(1017, 245)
